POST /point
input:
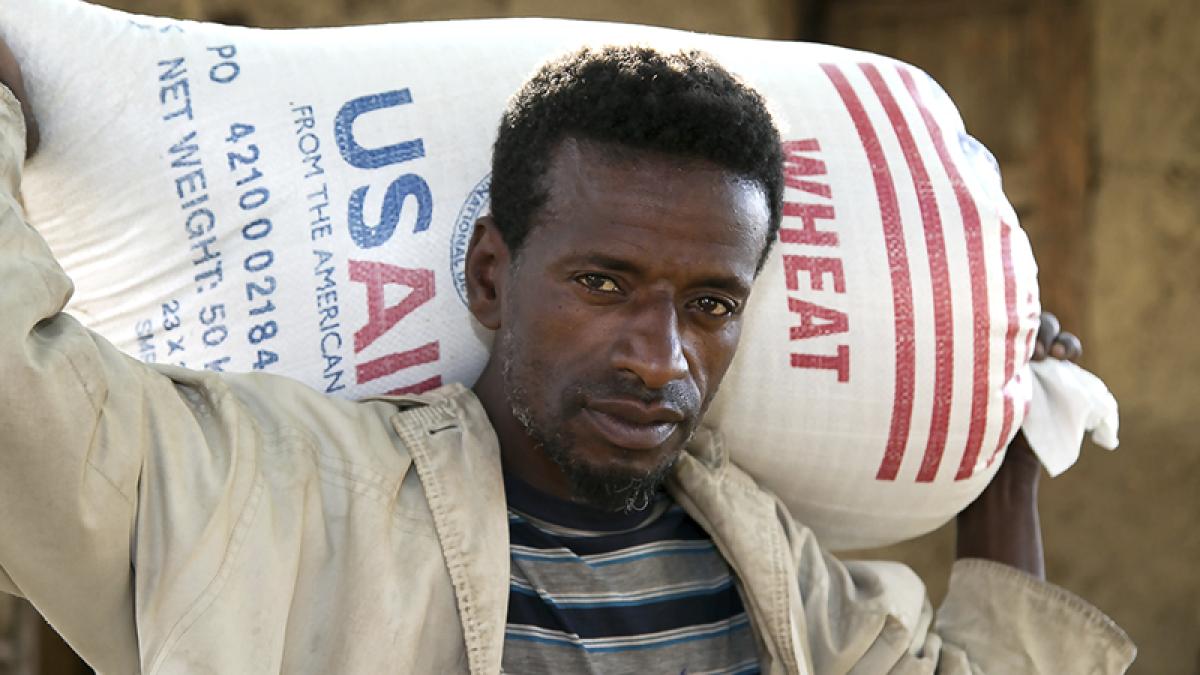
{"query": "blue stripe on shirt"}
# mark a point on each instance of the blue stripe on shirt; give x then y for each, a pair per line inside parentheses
(664, 548)
(565, 640)
(722, 586)
(621, 619)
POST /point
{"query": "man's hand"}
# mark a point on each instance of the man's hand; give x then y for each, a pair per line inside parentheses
(10, 76)
(1002, 524)
(1055, 342)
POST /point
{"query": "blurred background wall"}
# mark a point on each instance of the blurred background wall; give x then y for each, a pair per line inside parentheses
(1092, 108)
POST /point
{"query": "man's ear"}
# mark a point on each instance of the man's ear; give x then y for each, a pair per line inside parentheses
(487, 270)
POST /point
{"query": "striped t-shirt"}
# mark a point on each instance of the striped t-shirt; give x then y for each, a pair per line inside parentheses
(598, 592)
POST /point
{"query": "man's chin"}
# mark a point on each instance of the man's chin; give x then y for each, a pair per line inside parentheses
(619, 486)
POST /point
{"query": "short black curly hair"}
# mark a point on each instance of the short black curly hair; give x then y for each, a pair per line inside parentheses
(683, 104)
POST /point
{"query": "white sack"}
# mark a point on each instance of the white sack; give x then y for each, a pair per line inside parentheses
(300, 202)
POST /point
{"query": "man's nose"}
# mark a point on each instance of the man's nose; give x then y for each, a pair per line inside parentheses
(651, 345)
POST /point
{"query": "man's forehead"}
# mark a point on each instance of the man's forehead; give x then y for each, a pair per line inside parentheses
(652, 213)
(608, 177)
(574, 156)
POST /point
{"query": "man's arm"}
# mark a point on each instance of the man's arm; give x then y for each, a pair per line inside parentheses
(88, 437)
(68, 478)
(999, 615)
(1002, 523)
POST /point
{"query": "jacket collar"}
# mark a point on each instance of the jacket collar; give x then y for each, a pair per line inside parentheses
(457, 457)
(744, 523)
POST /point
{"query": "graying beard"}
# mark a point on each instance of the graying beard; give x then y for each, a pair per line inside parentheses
(516, 392)
(637, 492)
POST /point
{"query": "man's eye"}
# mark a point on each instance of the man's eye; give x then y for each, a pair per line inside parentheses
(715, 306)
(598, 283)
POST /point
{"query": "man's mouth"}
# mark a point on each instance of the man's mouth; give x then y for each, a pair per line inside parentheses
(632, 424)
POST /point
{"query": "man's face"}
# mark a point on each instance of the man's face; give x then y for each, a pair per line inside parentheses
(622, 312)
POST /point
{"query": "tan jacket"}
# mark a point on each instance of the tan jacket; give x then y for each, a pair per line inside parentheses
(172, 521)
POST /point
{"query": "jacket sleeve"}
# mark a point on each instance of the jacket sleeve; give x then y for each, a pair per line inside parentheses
(875, 617)
(1009, 621)
(75, 419)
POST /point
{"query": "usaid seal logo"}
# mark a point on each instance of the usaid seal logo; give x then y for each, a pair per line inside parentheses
(477, 203)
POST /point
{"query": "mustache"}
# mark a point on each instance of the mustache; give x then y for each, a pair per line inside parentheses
(681, 396)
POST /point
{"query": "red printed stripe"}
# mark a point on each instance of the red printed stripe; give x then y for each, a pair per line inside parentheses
(893, 234)
(1035, 316)
(1010, 337)
(812, 187)
(980, 318)
(386, 365)
(939, 277)
(1014, 342)
(421, 387)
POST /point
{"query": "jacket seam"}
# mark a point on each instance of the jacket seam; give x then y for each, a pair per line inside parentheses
(326, 464)
(97, 411)
(1046, 593)
(345, 476)
(722, 479)
(116, 488)
(783, 621)
(198, 607)
(451, 548)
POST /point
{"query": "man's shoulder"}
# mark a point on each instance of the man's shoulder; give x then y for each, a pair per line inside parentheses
(282, 413)
(707, 447)
(712, 469)
(450, 396)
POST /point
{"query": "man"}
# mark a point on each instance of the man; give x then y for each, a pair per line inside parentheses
(171, 521)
